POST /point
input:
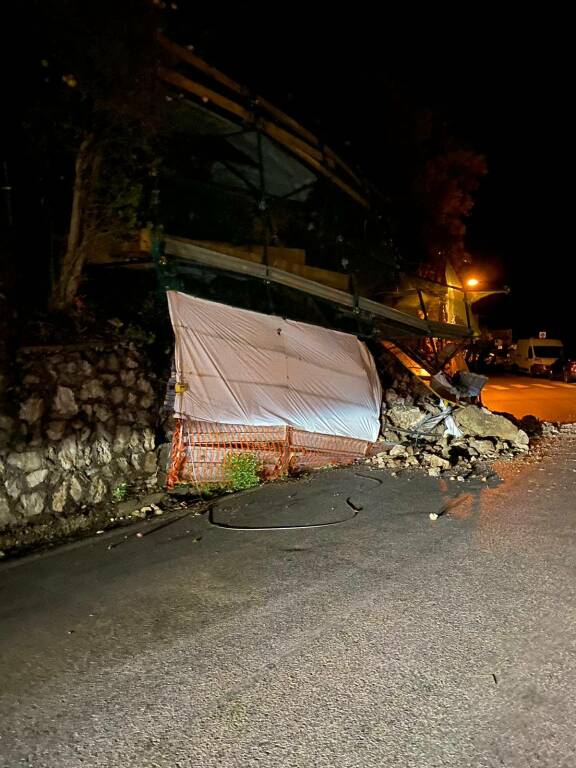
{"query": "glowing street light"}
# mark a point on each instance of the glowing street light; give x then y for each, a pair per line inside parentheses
(472, 282)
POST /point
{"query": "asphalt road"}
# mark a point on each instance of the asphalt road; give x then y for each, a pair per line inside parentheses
(388, 640)
(523, 396)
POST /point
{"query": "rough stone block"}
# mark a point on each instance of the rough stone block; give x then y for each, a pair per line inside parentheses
(31, 410)
(68, 453)
(6, 515)
(102, 412)
(121, 439)
(128, 378)
(479, 422)
(149, 463)
(76, 490)
(27, 461)
(117, 395)
(92, 390)
(59, 497)
(36, 478)
(55, 430)
(32, 504)
(64, 402)
(13, 487)
(97, 490)
(404, 416)
(101, 451)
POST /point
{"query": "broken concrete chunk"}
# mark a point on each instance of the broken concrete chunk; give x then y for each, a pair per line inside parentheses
(479, 422)
(404, 416)
(437, 461)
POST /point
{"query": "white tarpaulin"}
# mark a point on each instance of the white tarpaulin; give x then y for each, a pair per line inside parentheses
(243, 367)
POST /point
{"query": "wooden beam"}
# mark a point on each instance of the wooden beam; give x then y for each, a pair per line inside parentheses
(180, 81)
(297, 146)
(195, 61)
(198, 63)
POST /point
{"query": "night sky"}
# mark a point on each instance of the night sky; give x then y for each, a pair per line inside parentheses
(501, 85)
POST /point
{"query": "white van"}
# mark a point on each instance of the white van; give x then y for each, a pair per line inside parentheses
(536, 356)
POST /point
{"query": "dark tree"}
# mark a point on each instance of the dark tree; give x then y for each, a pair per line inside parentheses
(97, 105)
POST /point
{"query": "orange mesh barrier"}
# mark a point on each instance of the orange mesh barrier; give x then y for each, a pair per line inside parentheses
(199, 450)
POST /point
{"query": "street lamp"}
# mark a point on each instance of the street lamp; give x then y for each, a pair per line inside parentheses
(472, 282)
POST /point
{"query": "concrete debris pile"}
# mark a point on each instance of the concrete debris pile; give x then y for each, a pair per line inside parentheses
(421, 431)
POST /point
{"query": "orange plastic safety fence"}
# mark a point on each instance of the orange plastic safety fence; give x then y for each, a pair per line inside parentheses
(200, 450)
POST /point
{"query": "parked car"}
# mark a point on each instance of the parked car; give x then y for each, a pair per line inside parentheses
(498, 360)
(564, 368)
(536, 356)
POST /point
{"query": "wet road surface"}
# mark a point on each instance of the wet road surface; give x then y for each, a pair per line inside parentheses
(387, 640)
(523, 396)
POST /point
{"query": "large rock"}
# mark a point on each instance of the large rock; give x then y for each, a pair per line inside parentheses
(56, 429)
(122, 465)
(31, 410)
(86, 369)
(145, 387)
(121, 439)
(73, 454)
(436, 461)
(76, 490)
(117, 395)
(92, 390)
(6, 516)
(149, 463)
(483, 447)
(102, 412)
(27, 461)
(522, 438)
(404, 416)
(101, 451)
(36, 478)
(97, 490)
(13, 487)
(149, 439)
(392, 398)
(59, 497)
(136, 461)
(68, 452)
(479, 422)
(6, 422)
(32, 504)
(65, 403)
(128, 378)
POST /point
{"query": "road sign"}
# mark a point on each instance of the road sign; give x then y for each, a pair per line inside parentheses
(542, 335)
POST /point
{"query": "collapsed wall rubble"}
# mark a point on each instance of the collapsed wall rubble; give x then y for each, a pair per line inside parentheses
(420, 430)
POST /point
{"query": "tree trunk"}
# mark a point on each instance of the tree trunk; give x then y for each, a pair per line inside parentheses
(65, 288)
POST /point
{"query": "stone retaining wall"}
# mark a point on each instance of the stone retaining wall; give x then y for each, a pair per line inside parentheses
(82, 432)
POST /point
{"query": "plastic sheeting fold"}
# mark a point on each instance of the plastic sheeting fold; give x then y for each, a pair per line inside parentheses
(243, 367)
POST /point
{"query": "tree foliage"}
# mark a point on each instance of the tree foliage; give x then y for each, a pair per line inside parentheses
(446, 188)
(98, 105)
